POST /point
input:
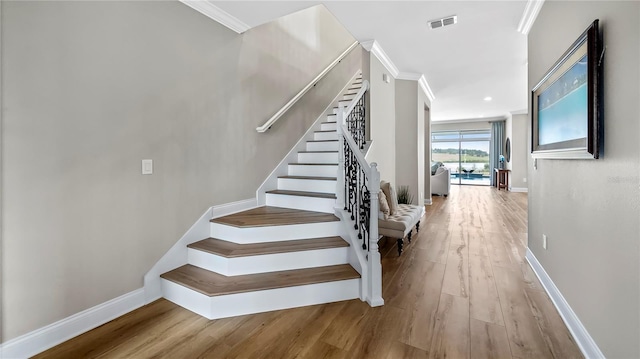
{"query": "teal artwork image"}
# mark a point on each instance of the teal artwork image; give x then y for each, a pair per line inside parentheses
(562, 114)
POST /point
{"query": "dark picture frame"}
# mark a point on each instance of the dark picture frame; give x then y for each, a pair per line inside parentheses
(566, 105)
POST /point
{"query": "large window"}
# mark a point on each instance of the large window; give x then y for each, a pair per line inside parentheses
(465, 153)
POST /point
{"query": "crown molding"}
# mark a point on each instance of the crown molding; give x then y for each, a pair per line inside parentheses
(422, 81)
(529, 16)
(373, 47)
(213, 12)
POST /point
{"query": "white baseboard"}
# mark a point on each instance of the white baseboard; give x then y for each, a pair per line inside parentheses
(586, 344)
(519, 189)
(428, 201)
(51, 335)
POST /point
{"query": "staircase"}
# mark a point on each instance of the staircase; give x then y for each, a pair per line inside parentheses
(289, 253)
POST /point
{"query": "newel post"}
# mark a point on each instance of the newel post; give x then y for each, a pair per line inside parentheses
(374, 264)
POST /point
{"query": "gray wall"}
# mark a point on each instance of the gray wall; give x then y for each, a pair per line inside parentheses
(90, 89)
(383, 120)
(589, 208)
(410, 139)
(517, 131)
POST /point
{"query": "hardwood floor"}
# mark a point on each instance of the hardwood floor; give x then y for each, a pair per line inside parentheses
(461, 289)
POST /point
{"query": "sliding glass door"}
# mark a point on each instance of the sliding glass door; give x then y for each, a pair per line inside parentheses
(465, 154)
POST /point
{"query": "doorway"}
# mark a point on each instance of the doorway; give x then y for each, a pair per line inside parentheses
(465, 154)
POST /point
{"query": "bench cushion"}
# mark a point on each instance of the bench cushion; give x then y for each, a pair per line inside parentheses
(399, 224)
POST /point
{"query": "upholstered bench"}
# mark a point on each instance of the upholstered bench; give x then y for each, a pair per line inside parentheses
(397, 220)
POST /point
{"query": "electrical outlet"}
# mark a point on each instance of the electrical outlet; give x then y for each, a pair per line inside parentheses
(147, 167)
(544, 241)
(524, 180)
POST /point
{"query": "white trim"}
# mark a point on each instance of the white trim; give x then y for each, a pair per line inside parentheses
(213, 12)
(422, 81)
(520, 112)
(374, 47)
(233, 207)
(177, 256)
(519, 189)
(428, 201)
(51, 335)
(586, 343)
(531, 11)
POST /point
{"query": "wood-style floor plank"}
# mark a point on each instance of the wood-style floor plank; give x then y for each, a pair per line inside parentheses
(489, 341)
(472, 240)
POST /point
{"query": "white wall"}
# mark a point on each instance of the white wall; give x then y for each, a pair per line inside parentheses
(90, 89)
(590, 208)
(382, 118)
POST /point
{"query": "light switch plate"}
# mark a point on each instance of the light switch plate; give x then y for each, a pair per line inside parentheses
(147, 167)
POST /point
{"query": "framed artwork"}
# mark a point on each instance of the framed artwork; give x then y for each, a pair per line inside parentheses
(566, 115)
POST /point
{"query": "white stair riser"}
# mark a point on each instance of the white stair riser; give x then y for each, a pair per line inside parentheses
(332, 126)
(275, 233)
(321, 136)
(331, 118)
(231, 305)
(313, 170)
(318, 157)
(323, 146)
(307, 185)
(268, 262)
(300, 202)
(335, 110)
(344, 103)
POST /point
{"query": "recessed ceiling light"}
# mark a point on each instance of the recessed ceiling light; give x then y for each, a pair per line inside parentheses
(488, 98)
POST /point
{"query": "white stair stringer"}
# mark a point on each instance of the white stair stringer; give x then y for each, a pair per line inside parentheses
(231, 305)
(317, 204)
(268, 262)
(245, 235)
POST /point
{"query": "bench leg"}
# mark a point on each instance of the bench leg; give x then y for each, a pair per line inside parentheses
(418, 227)
(400, 243)
(409, 236)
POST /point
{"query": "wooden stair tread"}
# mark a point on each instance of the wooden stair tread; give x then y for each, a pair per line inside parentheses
(317, 178)
(274, 216)
(326, 131)
(322, 141)
(303, 193)
(214, 284)
(233, 250)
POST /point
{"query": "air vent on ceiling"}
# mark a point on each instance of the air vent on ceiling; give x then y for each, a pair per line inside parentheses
(446, 21)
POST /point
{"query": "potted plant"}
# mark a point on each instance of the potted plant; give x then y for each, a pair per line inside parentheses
(404, 195)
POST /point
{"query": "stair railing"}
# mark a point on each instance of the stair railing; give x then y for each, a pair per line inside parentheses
(267, 125)
(358, 188)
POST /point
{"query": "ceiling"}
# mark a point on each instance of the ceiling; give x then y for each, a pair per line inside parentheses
(483, 55)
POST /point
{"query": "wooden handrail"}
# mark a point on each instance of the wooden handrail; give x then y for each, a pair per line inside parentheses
(299, 95)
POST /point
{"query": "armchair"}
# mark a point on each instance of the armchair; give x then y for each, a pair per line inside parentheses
(441, 182)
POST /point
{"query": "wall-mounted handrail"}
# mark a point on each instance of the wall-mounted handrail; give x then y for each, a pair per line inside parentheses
(299, 95)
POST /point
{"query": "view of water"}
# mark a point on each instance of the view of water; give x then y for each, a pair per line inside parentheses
(564, 120)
